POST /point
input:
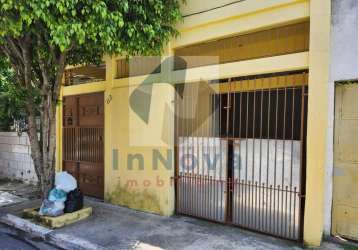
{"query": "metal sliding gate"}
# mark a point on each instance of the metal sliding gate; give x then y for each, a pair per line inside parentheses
(240, 156)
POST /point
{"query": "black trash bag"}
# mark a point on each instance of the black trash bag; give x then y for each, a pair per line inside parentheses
(74, 201)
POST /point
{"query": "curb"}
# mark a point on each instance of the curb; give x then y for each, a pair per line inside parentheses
(60, 240)
(26, 226)
(66, 241)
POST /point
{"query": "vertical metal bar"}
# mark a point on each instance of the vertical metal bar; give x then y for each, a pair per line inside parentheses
(99, 144)
(278, 217)
(84, 142)
(64, 145)
(268, 215)
(217, 114)
(294, 212)
(246, 186)
(216, 143)
(234, 201)
(71, 141)
(283, 152)
(176, 155)
(253, 193)
(74, 146)
(77, 144)
(200, 155)
(81, 154)
(264, 204)
(207, 193)
(95, 143)
(228, 158)
(208, 128)
(180, 154)
(182, 147)
(197, 137)
(275, 165)
(67, 144)
(291, 163)
(240, 219)
(89, 140)
(81, 141)
(302, 164)
(286, 214)
(271, 224)
(91, 145)
(234, 209)
(88, 143)
(186, 103)
(220, 194)
(192, 127)
(260, 163)
(189, 150)
(209, 196)
(213, 143)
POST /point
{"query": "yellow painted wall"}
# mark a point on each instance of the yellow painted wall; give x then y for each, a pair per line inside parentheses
(240, 18)
(345, 180)
(317, 120)
(143, 189)
(125, 131)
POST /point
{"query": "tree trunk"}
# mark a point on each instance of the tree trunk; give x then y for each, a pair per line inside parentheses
(43, 149)
(36, 71)
(49, 153)
(48, 118)
(36, 154)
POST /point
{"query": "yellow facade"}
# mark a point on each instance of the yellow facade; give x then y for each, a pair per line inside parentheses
(131, 136)
(317, 120)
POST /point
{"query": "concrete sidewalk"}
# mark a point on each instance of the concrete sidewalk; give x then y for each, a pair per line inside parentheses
(117, 227)
(114, 227)
(12, 191)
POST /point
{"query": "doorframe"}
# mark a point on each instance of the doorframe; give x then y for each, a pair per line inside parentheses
(61, 168)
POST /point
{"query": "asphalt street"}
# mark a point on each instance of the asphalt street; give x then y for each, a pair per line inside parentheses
(10, 241)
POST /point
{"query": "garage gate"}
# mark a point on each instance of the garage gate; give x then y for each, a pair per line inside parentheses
(240, 152)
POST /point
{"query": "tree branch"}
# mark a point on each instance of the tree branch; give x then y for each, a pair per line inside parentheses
(14, 63)
(14, 49)
(61, 62)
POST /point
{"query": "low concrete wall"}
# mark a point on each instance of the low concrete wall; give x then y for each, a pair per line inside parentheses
(15, 159)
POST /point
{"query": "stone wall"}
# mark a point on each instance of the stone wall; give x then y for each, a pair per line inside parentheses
(15, 159)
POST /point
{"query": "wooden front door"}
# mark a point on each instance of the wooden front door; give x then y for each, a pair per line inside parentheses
(83, 141)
